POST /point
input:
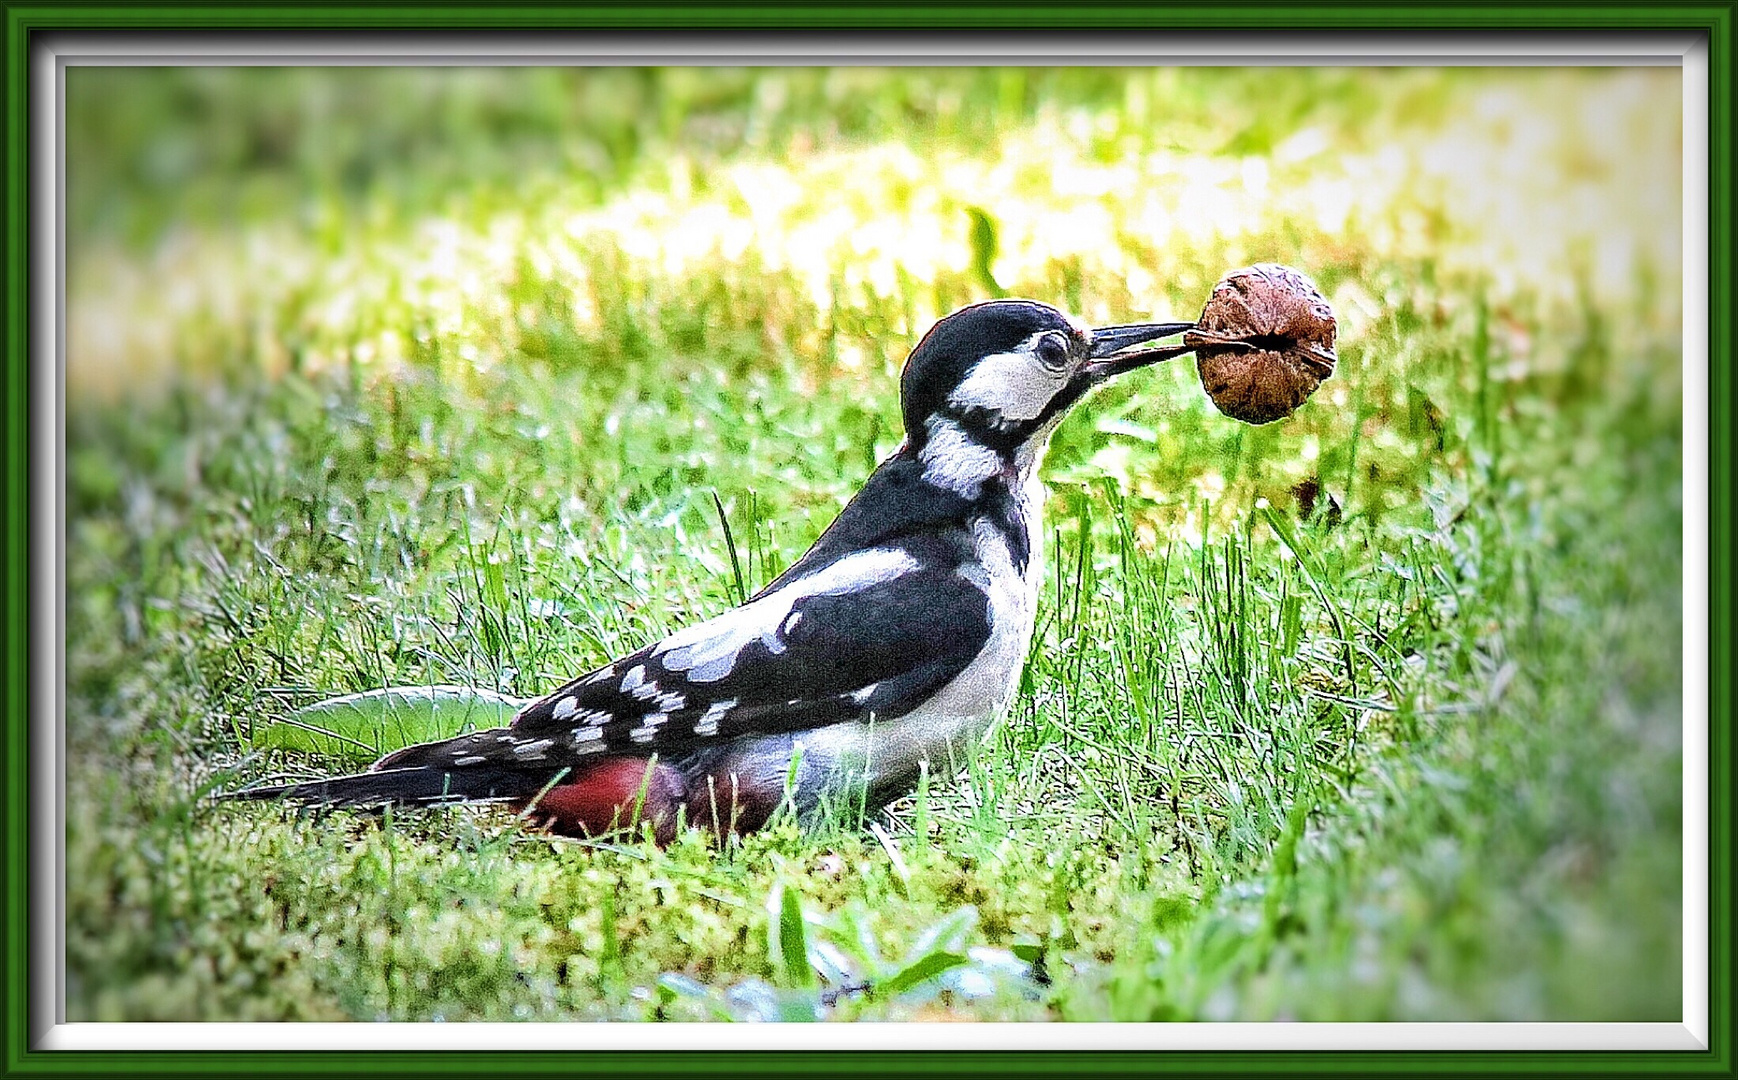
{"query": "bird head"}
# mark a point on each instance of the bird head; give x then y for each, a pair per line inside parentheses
(998, 377)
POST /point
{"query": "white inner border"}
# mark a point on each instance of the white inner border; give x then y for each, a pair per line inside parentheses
(51, 53)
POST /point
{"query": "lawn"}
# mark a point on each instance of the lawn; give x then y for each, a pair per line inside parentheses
(484, 377)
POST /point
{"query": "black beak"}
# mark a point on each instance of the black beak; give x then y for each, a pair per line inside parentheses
(1110, 353)
(1110, 340)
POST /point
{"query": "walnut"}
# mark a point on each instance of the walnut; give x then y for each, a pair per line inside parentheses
(1264, 342)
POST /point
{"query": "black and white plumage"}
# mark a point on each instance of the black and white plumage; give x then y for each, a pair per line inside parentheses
(893, 642)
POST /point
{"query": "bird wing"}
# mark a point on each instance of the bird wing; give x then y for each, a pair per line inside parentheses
(871, 634)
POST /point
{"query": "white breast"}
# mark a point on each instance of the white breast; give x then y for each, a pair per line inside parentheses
(945, 728)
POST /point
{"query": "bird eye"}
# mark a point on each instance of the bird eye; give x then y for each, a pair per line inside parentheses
(1052, 350)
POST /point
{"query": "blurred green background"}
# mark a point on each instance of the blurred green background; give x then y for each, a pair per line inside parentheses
(413, 376)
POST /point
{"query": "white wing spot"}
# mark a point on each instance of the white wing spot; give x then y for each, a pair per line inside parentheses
(708, 651)
(633, 679)
(565, 708)
(595, 717)
(647, 730)
(669, 703)
(863, 695)
(708, 724)
(471, 759)
(584, 735)
(533, 750)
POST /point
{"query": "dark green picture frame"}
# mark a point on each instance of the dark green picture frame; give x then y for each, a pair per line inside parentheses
(26, 24)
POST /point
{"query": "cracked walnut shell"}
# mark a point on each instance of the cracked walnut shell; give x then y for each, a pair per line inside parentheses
(1264, 342)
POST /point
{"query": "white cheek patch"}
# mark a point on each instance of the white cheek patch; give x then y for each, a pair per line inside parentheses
(1014, 385)
(955, 461)
(708, 651)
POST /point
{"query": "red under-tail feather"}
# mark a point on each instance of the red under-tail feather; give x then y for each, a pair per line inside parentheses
(608, 795)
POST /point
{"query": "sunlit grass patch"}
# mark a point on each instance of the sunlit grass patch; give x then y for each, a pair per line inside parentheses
(1511, 176)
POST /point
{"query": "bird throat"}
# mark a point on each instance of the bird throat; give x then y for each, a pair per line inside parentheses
(954, 459)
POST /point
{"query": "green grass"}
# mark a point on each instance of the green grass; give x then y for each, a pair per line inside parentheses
(398, 378)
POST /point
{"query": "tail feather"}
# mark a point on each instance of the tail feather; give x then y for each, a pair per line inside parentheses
(406, 786)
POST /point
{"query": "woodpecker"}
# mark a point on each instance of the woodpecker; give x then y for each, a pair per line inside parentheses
(890, 646)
